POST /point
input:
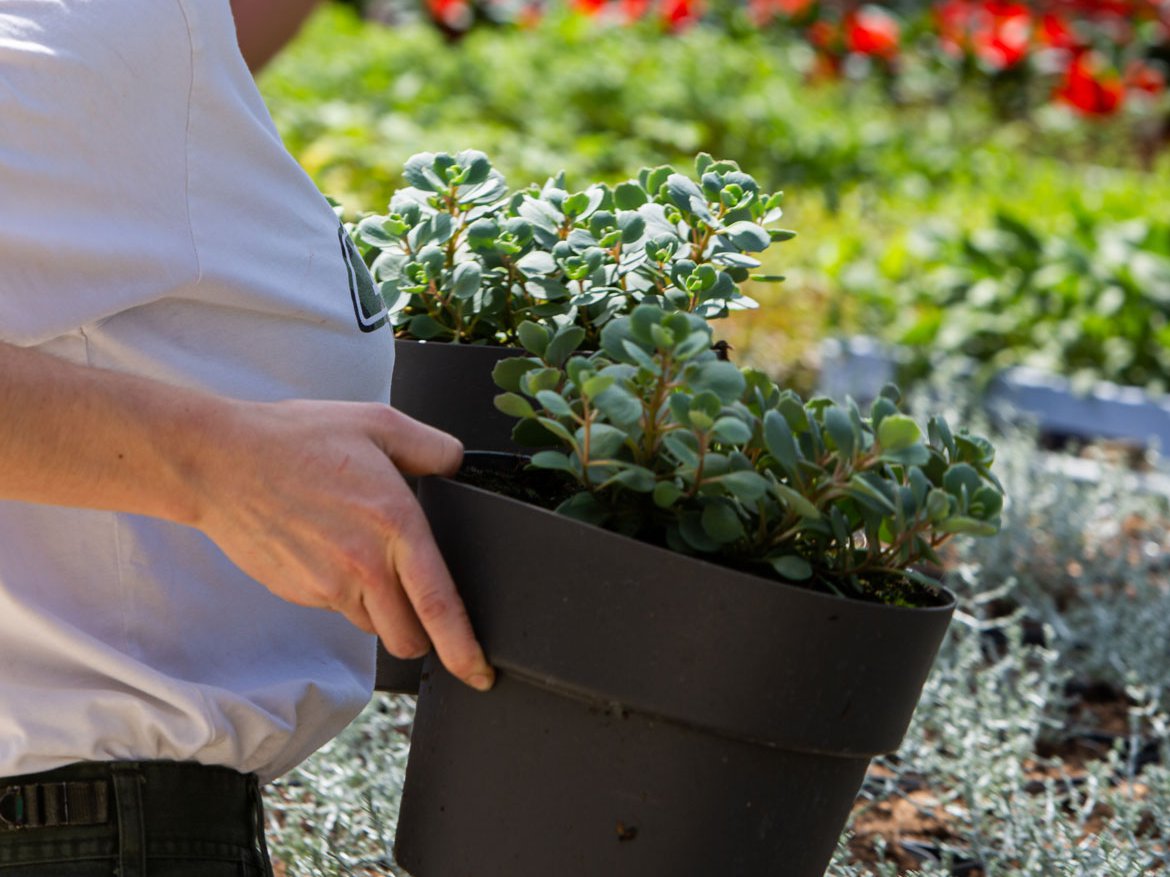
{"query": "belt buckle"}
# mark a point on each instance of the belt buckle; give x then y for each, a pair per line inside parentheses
(18, 818)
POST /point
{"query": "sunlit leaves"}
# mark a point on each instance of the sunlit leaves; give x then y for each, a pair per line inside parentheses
(459, 257)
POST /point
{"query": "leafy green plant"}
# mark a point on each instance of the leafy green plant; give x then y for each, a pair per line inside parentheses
(1091, 302)
(459, 258)
(667, 442)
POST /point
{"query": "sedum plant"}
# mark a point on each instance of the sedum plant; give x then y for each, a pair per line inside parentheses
(663, 440)
(460, 258)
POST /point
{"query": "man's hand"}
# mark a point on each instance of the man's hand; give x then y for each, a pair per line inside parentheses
(306, 497)
(309, 499)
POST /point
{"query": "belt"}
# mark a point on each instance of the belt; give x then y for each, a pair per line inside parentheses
(44, 805)
(131, 812)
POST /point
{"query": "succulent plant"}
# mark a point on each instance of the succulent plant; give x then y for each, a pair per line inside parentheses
(459, 258)
(665, 441)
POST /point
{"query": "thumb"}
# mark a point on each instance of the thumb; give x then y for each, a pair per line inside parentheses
(418, 449)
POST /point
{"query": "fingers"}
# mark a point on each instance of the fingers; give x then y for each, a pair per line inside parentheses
(394, 620)
(416, 448)
(427, 584)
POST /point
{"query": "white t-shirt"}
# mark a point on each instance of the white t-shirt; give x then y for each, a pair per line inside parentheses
(152, 222)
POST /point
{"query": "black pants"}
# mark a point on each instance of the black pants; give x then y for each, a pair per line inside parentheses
(132, 819)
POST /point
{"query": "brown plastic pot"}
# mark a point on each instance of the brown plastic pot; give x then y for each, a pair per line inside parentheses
(448, 386)
(654, 714)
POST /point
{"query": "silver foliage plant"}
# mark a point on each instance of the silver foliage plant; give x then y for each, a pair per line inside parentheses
(459, 257)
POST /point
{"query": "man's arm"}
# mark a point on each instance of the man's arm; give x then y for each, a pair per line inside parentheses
(264, 26)
(304, 496)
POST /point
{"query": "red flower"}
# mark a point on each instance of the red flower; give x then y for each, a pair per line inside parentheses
(633, 10)
(454, 14)
(872, 31)
(680, 14)
(998, 34)
(792, 8)
(1143, 77)
(763, 11)
(1090, 88)
(824, 36)
(1056, 33)
(589, 7)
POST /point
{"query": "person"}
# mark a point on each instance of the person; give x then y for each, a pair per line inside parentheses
(264, 27)
(203, 516)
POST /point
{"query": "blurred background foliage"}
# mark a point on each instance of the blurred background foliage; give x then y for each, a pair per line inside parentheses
(985, 179)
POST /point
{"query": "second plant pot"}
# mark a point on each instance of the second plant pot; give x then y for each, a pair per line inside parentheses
(654, 713)
(450, 387)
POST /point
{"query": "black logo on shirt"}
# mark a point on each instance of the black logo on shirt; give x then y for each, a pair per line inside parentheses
(368, 306)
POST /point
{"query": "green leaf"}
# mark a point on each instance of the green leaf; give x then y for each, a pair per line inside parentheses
(514, 405)
(426, 328)
(555, 460)
(635, 478)
(938, 505)
(532, 434)
(692, 346)
(632, 226)
(476, 166)
(962, 479)
(604, 440)
(974, 449)
(732, 431)
(798, 502)
(779, 235)
(746, 485)
(941, 436)
(840, 428)
(540, 379)
(919, 484)
(629, 196)
(791, 567)
(556, 428)
(596, 385)
(555, 403)
(683, 446)
(747, 236)
(896, 432)
(686, 195)
(721, 523)
(533, 337)
(563, 343)
(372, 230)
(666, 493)
(988, 500)
(880, 410)
(538, 263)
(961, 525)
(418, 173)
(583, 507)
(466, 280)
(699, 421)
(619, 405)
(507, 372)
(779, 440)
(862, 488)
(724, 379)
(690, 527)
(915, 455)
(653, 179)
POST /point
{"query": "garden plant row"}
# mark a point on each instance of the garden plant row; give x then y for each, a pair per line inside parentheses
(1037, 748)
(1098, 57)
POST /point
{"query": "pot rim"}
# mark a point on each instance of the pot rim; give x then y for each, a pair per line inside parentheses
(947, 597)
